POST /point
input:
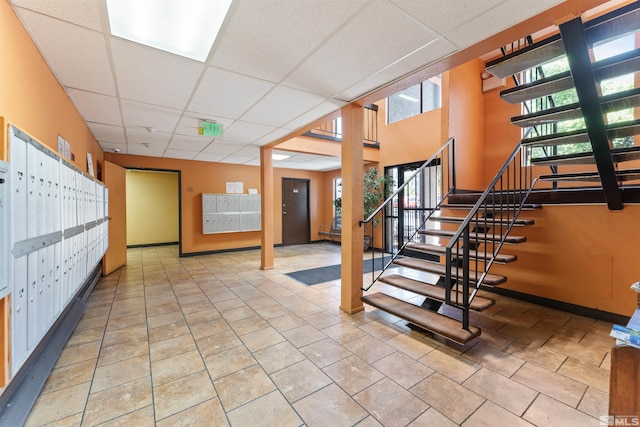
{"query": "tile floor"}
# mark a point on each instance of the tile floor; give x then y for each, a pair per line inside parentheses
(213, 341)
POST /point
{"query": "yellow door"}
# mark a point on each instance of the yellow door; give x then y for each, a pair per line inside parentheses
(115, 179)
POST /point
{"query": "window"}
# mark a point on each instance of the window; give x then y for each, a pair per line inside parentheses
(337, 193)
(423, 97)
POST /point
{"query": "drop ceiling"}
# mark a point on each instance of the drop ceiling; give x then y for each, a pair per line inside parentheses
(276, 66)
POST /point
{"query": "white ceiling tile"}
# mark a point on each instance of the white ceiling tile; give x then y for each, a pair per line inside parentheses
(218, 147)
(319, 111)
(272, 136)
(371, 41)
(142, 150)
(225, 94)
(132, 63)
(210, 157)
(84, 13)
(189, 123)
(107, 133)
(245, 132)
(442, 16)
(495, 20)
(249, 151)
(95, 107)
(189, 143)
(180, 154)
(237, 159)
(259, 42)
(141, 136)
(138, 115)
(281, 105)
(77, 56)
(429, 53)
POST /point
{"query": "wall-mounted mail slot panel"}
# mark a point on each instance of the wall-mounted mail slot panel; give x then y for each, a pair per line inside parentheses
(230, 213)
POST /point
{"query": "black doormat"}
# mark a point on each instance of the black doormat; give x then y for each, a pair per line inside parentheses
(314, 276)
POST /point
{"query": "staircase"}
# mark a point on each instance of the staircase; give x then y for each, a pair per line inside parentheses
(447, 258)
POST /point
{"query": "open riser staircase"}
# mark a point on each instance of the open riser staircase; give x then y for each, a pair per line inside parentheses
(447, 258)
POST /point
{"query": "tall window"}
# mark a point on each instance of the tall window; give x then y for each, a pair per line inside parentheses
(337, 193)
(423, 97)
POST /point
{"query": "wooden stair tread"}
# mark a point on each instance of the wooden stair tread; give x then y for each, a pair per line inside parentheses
(526, 58)
(478, 303)
(475, 235)
(618, 155)
(429, 320)
(435, 268)
(459, 219)
(621, 175)
(441, 250)
(469, 206)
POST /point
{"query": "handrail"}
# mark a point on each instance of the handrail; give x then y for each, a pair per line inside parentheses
(500, 208)
(445, 158)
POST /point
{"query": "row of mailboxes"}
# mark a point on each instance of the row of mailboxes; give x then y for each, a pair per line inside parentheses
(59, 233)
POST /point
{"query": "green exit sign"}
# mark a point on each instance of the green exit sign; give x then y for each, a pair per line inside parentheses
(211, 129)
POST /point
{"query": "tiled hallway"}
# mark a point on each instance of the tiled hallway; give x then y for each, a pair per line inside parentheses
(212, 340)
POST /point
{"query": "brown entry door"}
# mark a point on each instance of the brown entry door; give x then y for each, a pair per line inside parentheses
(295, 211)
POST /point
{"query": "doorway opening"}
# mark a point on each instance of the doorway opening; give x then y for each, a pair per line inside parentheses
(296, 217)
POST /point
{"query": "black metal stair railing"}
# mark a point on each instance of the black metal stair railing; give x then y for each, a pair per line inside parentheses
(426, 188)
(485, 229)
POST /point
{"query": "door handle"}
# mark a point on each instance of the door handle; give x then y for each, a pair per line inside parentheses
(284, 213)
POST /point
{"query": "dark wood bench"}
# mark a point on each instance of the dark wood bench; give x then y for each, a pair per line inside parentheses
(332, 232)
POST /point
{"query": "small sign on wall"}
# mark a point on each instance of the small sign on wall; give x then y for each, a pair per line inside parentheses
(235, 187)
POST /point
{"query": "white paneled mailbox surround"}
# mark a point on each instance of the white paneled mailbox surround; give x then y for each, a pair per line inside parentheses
(58, 233)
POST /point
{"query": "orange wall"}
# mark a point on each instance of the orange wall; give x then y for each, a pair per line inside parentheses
(32, 99)
(580, 254)
(204, 177)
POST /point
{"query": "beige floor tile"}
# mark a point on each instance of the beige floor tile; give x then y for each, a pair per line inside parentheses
(490, 415)
(164, 319)
(238, 313)
(369, 349)
(449, 364)
(537, 355)
(70, 421)
(271, 410)
(123, 335)
(172, 368)
(411, 344)
(217, 343)
(594, 403)
(353, 374)
(382, 330)
(272, 311)
(229, 361)
(157, 310)
(127, 321)
(390, 404)
(546, 411)
(590, 355)
(140, 418)
(154, 301)
(278, 356)
(69, 375)
(586, 373)
(507, 393)
(248, 325)
(430, 418)
(196, 307)
(559, 387)
(126, 311)
(168, 331)
(243, 386)
(198, 317)
(59, 404)
(343, 332)
(322, 320)
(287, 322)
(86, 336)
(181, 394)
(92, 322)
(402, 369)
(78, 353)
(117, 401)
(303, 335)
(209, 327)
(330, 406)
(447, 397)
(171, 347)
(325, 352)
(118, 373)
(493, 359)
(263, 338)
(300, 380)
(122, 351)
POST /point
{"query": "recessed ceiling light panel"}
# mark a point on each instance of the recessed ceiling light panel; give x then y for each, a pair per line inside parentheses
(183, 27)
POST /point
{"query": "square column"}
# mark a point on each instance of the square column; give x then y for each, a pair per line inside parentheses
(266, 183)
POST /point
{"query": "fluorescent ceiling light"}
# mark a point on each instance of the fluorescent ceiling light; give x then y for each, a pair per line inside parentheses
(279, 156)
(184, 27)
(408, 98)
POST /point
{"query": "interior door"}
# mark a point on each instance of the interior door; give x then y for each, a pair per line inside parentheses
(295, 211)
(114, 178)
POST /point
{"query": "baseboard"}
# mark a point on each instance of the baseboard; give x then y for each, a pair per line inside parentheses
(152, 245)
(21, 393)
